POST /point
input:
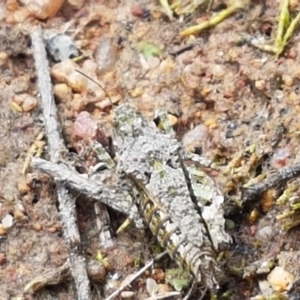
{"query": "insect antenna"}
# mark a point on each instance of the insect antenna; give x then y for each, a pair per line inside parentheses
(98, 84)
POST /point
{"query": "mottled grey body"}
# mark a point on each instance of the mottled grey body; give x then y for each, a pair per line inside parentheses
(151, 159)
(181, 204)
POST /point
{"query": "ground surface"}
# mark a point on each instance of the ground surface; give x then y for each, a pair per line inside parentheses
(241, 96)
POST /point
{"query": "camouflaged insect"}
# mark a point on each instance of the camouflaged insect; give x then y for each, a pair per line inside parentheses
(180, 203)
(151, 159)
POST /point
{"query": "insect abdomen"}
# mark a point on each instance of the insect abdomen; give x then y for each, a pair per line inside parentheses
(170, 237)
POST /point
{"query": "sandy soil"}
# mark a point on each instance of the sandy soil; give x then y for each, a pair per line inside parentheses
(246, 101)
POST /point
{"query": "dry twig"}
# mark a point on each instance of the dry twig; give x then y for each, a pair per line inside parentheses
(129, 281)
(96, 272)
(55, 147)
(281, 177)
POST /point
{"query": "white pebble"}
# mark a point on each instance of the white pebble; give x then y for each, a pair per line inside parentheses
(7, 221)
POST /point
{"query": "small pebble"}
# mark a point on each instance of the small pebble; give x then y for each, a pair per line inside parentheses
(43, 9)
(8, 221)
(288, 80)
(127, 295)
(292, 53)
(137, 11)
(2, 259)
(3, 58)
(29, 103)
(153, 62)
(84, 127)
(195, 136)
(61, 47)
(106, 55)
(189, 80)
(64, 72)
(19, 98)
(260, 84)
(137, 92)
(206, 90)
(263, 234)
(163, 288)
(52, 229)
(62, 92)
(2, 230)
(218, 71)
(280, 157)
(37, 227)
(294, 4)
(76, 3)
(18, 214)
(265, 287)
(23, 187)
(280, 280)
(293, 97)
(210, 123)
(158, 274)
(151, 286)
(89, 67)
(279, 94)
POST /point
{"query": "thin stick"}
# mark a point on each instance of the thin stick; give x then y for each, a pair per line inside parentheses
(56, 146)
(95, 269)
(188, 295)
(254, 191)
(135, 276)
